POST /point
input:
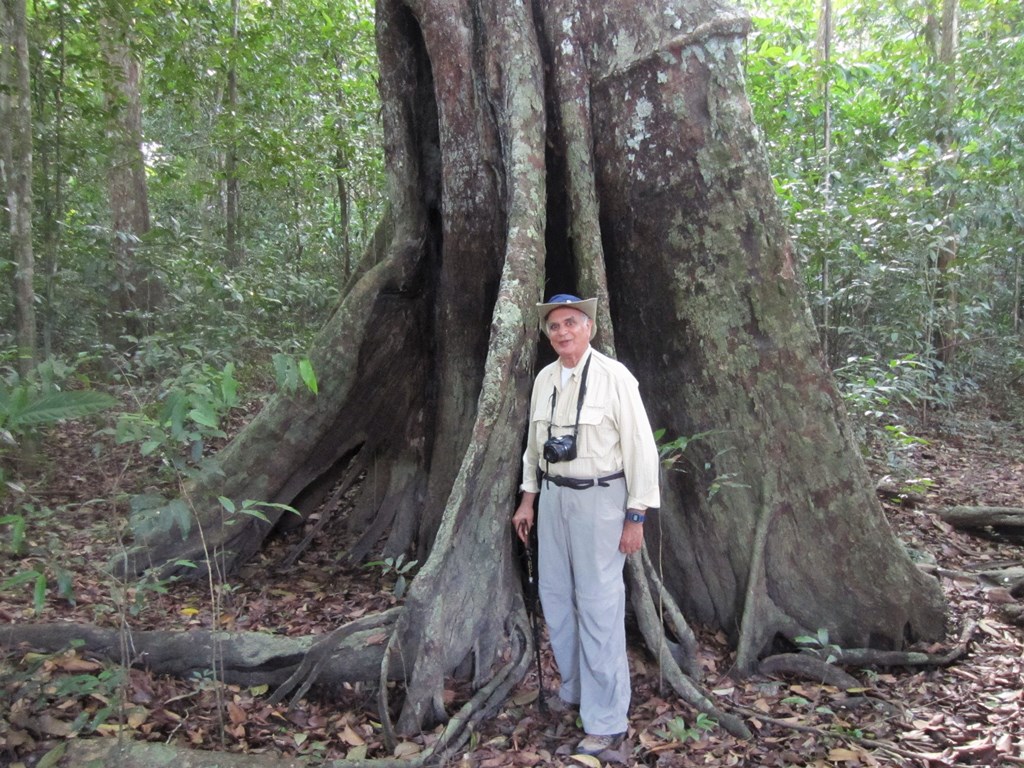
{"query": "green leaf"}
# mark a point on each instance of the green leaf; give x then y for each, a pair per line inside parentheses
(205, 415)
(39, 593)
(308, 375)
(17, 523)
(253, 512)
(21, 578)
(149, 447)
(52, 758)
(229, 386)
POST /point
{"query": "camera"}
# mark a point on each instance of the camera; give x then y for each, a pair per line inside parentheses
(561, 448)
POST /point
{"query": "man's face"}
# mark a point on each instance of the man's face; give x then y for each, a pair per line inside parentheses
(569, 333)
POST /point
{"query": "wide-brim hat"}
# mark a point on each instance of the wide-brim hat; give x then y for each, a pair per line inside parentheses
(566, 300)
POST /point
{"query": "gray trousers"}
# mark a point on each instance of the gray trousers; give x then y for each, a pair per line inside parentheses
(584, 599)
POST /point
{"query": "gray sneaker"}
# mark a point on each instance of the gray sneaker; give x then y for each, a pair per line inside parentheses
(595, 745)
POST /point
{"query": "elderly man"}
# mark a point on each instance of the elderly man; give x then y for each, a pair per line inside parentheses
(591, 455)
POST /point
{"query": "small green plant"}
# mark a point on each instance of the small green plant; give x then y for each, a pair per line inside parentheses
(42, 574)
(39, 576)
(155, 515)
(678, 730)
(673, 454)
(397, 567)
(17, 540)
(819, 645)
(188, 417)
(847, 731)
(73, 683)
(254, 508)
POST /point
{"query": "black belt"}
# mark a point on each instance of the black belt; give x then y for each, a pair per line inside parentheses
(581, 484)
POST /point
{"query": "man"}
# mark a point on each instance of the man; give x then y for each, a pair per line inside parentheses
(591, 455)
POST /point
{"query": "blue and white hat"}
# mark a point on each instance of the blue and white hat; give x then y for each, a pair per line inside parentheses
(586, 306)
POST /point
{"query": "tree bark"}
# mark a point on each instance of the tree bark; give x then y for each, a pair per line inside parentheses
(139, 292)
(605, 148)
(16, 173)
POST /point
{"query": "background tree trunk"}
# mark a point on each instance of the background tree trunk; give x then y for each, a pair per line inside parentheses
(644, 183)
(16, 114)
(945, 301)
(232, 186)
(139, 291)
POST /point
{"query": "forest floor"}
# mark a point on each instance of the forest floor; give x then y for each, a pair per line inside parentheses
(968, 713)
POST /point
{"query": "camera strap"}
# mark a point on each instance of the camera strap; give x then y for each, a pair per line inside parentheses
(579, 400)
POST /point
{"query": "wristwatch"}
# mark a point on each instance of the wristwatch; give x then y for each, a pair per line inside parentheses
(635, 517)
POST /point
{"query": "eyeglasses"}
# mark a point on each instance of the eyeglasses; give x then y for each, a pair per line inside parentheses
(570, 323)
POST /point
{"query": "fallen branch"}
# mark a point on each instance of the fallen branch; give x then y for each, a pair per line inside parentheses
(125, 753)
(243, 658)
(981, 517)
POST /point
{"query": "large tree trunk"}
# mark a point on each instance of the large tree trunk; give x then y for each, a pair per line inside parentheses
(16, 172)
(605, 148)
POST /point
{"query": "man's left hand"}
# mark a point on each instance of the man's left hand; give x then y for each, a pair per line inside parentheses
(632, 538)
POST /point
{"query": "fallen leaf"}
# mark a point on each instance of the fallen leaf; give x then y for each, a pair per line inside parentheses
(526, 697)
(352, 738)
(588, 760)
(76, 664)
(137, 716)
(51, 726)
(841, 755)
(406, 749)
(236, 714)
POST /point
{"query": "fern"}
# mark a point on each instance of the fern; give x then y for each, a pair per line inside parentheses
(21, 409)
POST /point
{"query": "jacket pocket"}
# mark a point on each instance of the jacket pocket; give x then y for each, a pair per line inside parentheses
(596, 438)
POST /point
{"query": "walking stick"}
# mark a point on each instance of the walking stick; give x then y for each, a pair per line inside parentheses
(534, 590)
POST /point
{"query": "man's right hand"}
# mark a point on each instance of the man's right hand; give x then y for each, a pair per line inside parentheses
(522, 520)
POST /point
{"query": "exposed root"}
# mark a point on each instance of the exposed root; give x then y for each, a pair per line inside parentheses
(313, 662)
(871, 657)
(754, 627)
(653, 630)
(808, 667)
(459, 726)
(651, 617)
(693, 696)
